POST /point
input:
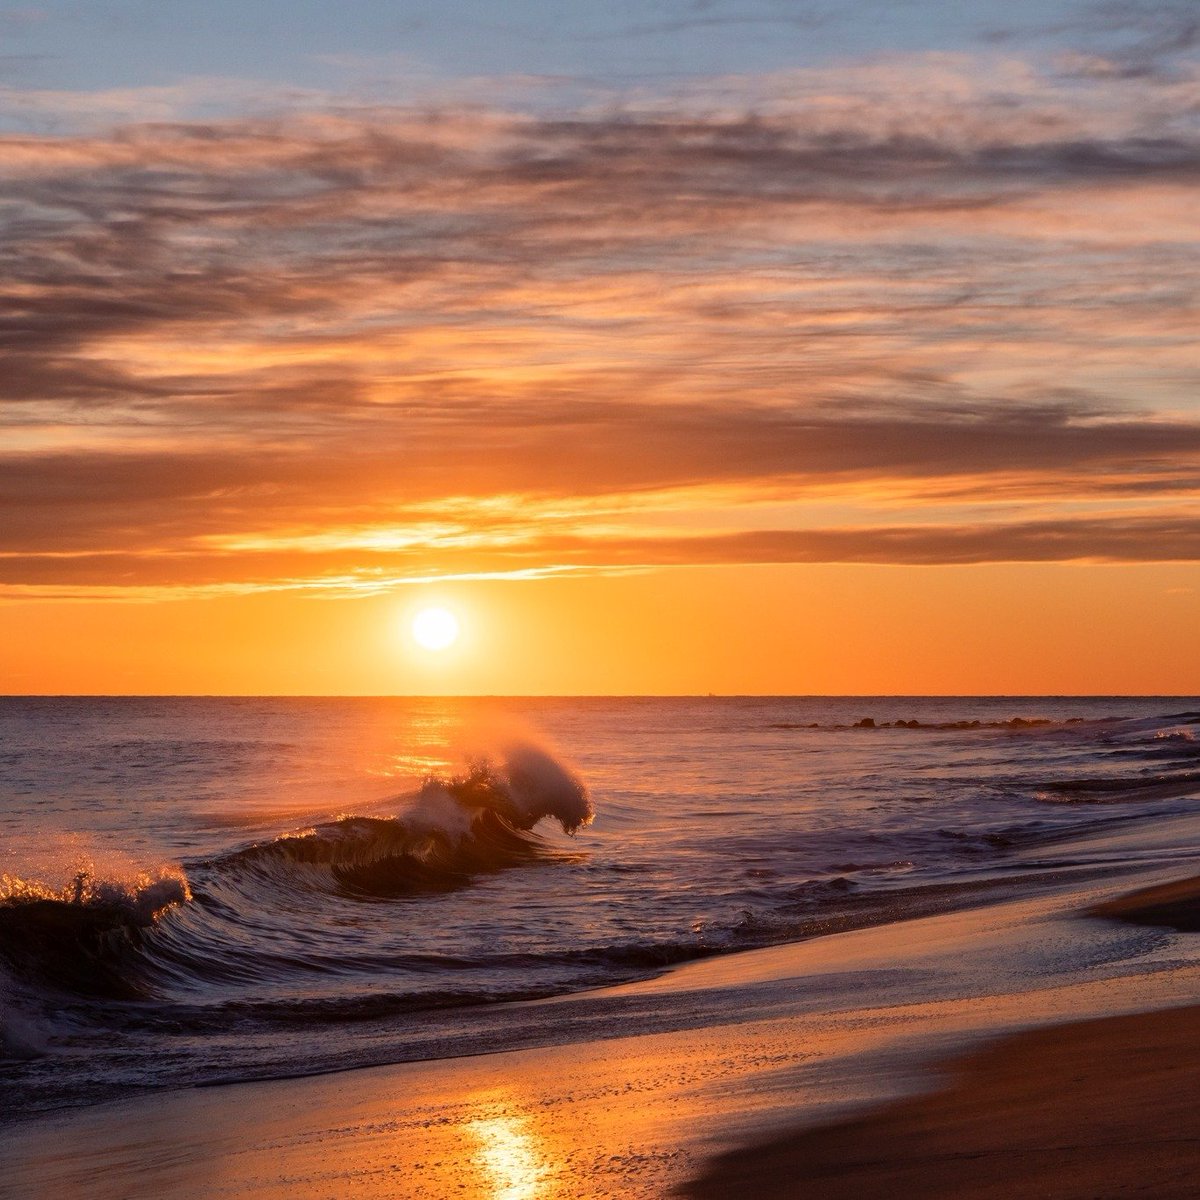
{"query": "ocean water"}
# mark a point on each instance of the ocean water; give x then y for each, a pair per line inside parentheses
(203, 890)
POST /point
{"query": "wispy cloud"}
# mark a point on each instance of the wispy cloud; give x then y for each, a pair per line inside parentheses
(1130, 39)
(933, 282)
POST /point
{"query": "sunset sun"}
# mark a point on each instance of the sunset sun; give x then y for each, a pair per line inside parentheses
(435, 628)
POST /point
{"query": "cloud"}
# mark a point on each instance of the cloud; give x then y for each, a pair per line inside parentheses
(580, 447)
(221, 338)
(458, 492)
(1136, 540)
(365, 570)
(770, 15)
(1129, 39)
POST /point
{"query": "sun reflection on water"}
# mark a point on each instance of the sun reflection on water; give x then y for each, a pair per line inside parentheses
(508, 1154)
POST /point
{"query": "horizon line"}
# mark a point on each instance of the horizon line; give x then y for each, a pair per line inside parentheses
(599, 696)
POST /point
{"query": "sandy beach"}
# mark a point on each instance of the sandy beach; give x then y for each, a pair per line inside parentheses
(1095, 1109)
(1102, 1108)
(699, 1080)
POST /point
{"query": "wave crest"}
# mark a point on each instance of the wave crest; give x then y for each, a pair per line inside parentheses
(103, 937)
(79, 936)
(137, 901)
(470, 824)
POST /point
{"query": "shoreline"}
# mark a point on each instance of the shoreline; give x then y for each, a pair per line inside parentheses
(1087, 1109)
(1082, 1111)
(616, 1105)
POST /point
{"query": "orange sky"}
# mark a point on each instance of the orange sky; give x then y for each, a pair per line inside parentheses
(833, 629)
(880, 378)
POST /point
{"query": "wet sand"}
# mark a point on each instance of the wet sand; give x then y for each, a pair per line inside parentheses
(1099, 1109)
(1175, 905)
(1103, 1108)
(639, 1090)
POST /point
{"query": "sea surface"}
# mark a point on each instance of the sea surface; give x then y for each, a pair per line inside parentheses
(204, 890)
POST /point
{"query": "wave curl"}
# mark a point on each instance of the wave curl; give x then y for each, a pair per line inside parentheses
(471, 824)
(103, 937)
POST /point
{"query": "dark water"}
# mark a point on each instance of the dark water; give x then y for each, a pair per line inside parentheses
(198, 890)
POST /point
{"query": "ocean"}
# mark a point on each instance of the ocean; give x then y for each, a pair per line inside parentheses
(207, 890)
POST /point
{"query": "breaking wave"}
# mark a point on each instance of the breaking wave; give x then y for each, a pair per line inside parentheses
(1014, 724)
(453, 830)
(77, 937)
(1115, 791)
(124, 939)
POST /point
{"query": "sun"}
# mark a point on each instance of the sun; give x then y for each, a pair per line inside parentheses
(435, 628)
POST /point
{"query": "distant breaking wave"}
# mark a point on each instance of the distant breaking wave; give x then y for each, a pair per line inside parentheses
(1015, 724)
(107, 938)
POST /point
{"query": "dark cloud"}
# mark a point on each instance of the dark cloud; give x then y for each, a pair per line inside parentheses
(1121, 540)
(281, 226)
(1151, 34)
(135, 503)
(1111, 540)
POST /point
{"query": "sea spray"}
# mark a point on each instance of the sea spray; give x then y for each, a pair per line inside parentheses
(452, 829)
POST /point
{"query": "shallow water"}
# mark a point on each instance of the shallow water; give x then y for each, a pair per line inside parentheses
(215, 889)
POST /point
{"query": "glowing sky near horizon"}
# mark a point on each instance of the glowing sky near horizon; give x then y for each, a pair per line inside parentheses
(305, 309)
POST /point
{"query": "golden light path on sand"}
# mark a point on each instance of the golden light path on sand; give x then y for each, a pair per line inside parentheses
(511, 1156)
